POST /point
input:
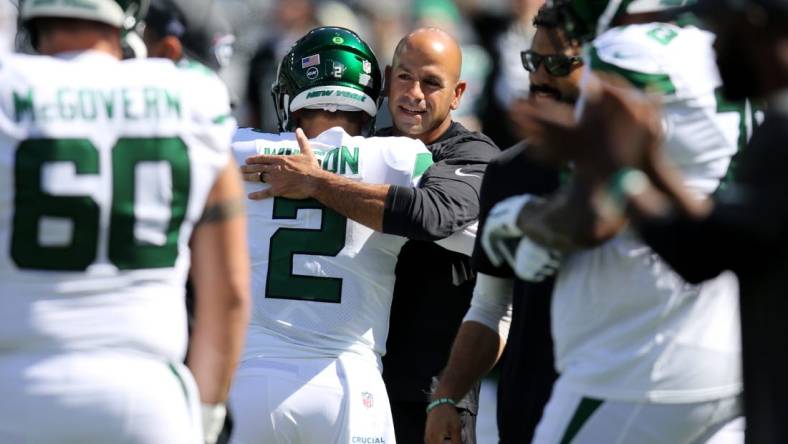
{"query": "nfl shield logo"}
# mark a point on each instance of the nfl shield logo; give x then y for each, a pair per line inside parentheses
(366, 398)
(366, 66)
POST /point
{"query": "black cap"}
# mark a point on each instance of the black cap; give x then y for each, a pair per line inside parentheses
(205, 34)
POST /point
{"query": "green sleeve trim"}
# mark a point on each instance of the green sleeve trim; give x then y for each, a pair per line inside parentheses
(221, 119)
(182, 383)
(423, 161)
(193, 65)
(584, 410)
(646, 82)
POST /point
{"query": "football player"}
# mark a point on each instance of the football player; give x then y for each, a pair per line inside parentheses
(643, 356)
(322, 283)
(113, 174)
(555, 68)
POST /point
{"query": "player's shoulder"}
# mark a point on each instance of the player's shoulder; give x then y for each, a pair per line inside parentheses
(252, 141)
(249, 134)
(19, 65)
(337, 136)
(653, 37)
(19, 74)
(399, 152)
(403, 154)
(200, 76)
(396, 143)
(648, 55)
(636, 48)
(199, 86)
(633, 44)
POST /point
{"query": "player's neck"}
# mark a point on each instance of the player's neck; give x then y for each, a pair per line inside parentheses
(316, 123)
(56, 40)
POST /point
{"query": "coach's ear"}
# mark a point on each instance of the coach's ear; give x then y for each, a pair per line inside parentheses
(386, 80)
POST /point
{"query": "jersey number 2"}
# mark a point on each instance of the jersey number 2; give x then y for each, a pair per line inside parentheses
(33, 203)
(329, 240)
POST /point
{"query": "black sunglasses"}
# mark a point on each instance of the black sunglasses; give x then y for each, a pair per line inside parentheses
(557, 65)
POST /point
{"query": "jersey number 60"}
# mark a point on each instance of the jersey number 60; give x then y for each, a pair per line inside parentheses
(32, 203)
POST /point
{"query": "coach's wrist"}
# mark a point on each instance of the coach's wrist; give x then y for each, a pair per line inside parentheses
(439, 402)
(316, 181)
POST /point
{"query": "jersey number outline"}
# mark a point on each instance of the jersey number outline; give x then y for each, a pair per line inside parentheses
(285, 243)
(748, 122)
(31, 203)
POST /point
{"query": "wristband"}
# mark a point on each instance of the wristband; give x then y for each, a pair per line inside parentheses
(440, 401)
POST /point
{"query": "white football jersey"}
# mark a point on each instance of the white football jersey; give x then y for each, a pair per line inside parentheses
(8, 18)
(321, 283)
(105, 166)
(626, 326)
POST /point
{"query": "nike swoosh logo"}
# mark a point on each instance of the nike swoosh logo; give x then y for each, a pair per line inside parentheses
(459, 172)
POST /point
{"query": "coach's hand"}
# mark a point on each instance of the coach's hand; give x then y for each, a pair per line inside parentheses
(287, 176)
(443, 422)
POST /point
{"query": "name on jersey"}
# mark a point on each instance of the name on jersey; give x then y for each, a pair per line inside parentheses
(340, 160)
(88, 104)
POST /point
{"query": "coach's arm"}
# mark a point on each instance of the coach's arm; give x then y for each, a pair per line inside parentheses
(446, 201)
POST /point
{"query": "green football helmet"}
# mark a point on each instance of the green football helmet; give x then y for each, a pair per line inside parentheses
(329, 68)
(122, 14)
(583, 20)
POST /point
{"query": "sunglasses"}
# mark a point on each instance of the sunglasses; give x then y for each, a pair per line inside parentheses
(557, 65)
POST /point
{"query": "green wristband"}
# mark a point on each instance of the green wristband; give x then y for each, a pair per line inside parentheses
(440, 401)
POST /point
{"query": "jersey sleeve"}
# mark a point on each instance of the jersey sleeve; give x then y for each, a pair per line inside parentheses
(409, 156)
(634, 53)
(701, 133)
(677, 63)
(213, 119)
(443, 203)
(404, 160)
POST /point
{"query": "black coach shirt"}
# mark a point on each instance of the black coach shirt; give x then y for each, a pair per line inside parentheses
(433, 285)
(527, 371)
